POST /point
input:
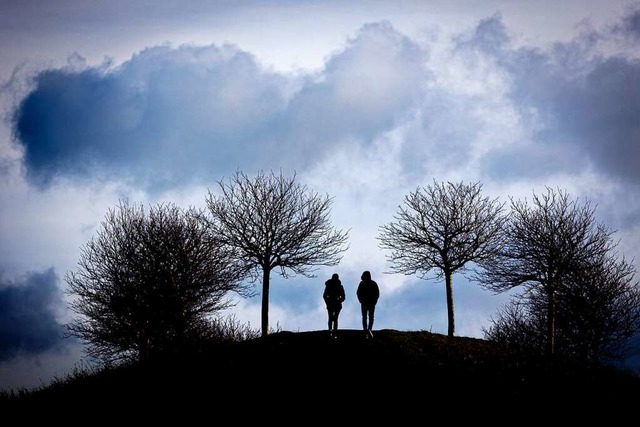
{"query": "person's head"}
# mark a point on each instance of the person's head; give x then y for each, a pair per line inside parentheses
(366, 275)
(335, 276)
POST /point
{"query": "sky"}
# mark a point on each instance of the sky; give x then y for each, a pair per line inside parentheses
(365, 101)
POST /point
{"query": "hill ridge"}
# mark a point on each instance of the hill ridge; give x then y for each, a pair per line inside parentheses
(399, 367)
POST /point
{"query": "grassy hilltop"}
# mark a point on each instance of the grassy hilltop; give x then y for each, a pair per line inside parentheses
(407, 371)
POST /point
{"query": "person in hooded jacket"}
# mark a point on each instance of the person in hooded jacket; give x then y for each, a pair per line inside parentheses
(333, 296)
(368, 293)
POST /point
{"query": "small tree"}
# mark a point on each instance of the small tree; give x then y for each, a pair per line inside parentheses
(146, 282)
(443, 227)
(545, 244)
(275, 223)
(519, 325)
(598, 312)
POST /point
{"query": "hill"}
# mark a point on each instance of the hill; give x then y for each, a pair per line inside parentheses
(416, 371)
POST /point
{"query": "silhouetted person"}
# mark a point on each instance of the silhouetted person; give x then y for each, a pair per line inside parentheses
(368, 294)
(333, 296)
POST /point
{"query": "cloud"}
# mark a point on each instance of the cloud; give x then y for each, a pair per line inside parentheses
(629, 25)
(172, 116)
(162, 118)
(363, 90)
(28, 323)
(580, 105)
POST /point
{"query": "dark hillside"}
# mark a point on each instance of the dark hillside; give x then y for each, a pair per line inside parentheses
(416, 371)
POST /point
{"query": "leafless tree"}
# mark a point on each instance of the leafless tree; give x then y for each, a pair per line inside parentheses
(147, 281)
(598, 312)
(275, 223)
(443, 227)
(544, 245)
(519, 324)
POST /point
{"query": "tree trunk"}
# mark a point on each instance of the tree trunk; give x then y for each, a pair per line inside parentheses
(551, 322)
(449, 286)
(265, 301)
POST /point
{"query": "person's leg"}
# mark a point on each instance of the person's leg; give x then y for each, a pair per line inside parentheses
(363, 309)
(370, 312)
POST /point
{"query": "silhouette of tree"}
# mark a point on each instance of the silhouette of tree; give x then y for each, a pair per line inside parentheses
(146, 283)
(544, 246)
(275, 223)
(598, 312)
(443, 227)
(520, 324)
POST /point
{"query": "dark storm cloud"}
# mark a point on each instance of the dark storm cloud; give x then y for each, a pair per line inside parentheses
(162, 118)
(172, 116)
(629, 26)
(583, 108)
(28, 325)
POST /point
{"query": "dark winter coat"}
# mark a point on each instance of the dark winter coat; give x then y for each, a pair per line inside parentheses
(333, 293)
(368, 292)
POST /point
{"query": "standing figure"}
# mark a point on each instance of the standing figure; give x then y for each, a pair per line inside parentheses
(333, 297)
(368, 294)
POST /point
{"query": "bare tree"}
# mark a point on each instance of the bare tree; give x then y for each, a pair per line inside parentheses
(544, 245)
(598, 312)
(146, 282)
(519, 325)
(443, 227)
(275, 223)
